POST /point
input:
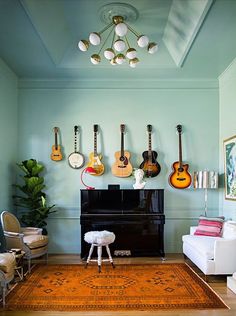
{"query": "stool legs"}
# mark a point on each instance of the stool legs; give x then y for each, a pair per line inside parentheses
(90, 254)
(109, 255)
(99, 257)
(99, 254)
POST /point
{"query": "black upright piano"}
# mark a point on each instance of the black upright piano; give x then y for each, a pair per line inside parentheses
(136, 217)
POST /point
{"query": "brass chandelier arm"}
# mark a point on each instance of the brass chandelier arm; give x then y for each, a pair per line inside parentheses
(132, 30)
(112, 29)
(105, 28)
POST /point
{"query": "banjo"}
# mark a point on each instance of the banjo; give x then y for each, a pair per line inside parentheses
(76, 159)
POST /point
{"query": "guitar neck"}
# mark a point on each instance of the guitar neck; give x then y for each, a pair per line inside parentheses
(149, 144)
(56, 142)
(75, 130)
(122, 145)
(95, 153)
(180, 152)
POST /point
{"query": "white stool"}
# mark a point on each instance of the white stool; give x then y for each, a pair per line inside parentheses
(99, 239)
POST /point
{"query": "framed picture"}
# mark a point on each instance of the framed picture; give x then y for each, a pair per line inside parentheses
(230, 168)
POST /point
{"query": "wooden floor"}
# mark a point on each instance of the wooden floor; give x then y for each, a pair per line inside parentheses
(217, 283)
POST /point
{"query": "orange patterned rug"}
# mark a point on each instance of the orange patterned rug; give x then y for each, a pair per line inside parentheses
(147, 287)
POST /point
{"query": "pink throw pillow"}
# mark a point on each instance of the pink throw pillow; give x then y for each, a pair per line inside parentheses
(210, 226)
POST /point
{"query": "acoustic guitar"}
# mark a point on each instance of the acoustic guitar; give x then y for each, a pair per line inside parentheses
(94, 157)
(150, 165)
(56, 154)
(122, 166)
(180, 178)
(76, 159)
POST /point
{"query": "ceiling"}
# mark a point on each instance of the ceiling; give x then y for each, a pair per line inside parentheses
(196, 38)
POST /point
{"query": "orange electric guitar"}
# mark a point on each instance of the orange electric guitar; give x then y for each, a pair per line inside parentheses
(94, 157)
(122, 167)
(150, 165)
(180, 178)
(56, 154)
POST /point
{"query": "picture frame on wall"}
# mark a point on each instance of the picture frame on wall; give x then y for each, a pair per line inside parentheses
(230, 167)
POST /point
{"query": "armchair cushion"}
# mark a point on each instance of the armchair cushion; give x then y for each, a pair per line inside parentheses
(7, 262)
(35, 241)
(31, 231)
(210, 226)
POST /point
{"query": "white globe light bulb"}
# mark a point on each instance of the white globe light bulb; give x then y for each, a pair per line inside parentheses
(94, 38)
(83, 45)
(95, 59)
(109, 53)
(142, 41)
(119, 45)
(113, 62)
(133, 62)
(120, 59)
(121, 29)
(131, 53)
(152, 47)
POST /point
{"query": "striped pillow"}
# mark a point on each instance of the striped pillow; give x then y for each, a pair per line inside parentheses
(210, 226)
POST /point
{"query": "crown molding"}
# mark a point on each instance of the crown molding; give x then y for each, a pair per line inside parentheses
(117, 84)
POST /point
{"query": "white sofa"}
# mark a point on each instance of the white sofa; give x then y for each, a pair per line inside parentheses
(212, 255)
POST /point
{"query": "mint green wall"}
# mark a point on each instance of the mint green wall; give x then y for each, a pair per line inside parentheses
(40, 109)
(8, 134)
(227, 84)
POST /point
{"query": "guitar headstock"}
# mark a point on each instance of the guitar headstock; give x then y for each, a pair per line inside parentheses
(179, 128)
(95, 128)
(55, 130)
(149, 128)
(76, 129)
(122, 128)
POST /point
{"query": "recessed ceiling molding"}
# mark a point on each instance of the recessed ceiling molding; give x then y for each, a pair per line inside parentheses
(49, 21)
(184, 21)
(121, 84)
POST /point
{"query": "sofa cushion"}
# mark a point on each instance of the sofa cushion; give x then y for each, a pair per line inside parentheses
(210, 226)
(203, 244)
(35, 241)
(229, 230)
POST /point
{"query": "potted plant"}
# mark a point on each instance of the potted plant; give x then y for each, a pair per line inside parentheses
(33, 198)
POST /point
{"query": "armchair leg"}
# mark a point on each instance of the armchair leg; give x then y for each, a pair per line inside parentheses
(29, 265)
(4, 290)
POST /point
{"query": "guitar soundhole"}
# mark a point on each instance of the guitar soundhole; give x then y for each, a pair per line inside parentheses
(181, 169)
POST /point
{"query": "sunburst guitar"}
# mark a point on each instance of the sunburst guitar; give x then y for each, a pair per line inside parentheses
(122, 166)
(180, 178)
(95, 159)
(56, 154)
(150, 165)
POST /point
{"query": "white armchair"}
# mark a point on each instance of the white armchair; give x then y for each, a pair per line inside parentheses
(28, 239)
(212, 255)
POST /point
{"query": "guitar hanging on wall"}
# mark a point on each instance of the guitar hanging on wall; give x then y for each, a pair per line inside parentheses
(94, 157)
(56, 154)
(122, 166)
(76, 159)
(150, 165)
(180, 178)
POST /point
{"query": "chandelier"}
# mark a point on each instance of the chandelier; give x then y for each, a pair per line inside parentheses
(116, 46)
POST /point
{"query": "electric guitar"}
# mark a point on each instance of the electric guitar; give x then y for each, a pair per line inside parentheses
(56, 154)
(150, 165)
(94, 157)
(122, 166)
(180, 178)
